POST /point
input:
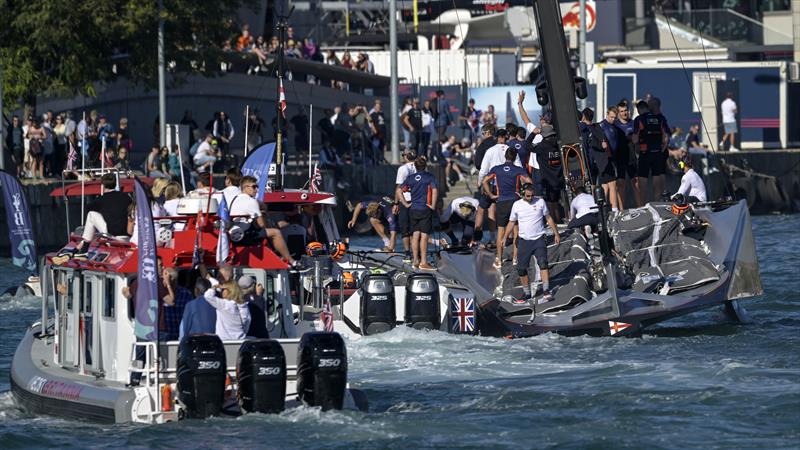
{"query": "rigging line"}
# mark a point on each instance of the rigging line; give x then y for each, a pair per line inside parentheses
(408, 50)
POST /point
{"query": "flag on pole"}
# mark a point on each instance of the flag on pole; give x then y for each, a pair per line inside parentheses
(72, 157)
(617, 327)
(20, 231)
(222, 241)
(315, 181)
(326, 316)
(146, 324)
(282, 98)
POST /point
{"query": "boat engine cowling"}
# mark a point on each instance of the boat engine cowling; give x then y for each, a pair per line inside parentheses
(377, 305)
(261, 376)
(322, 370)
(422, 302)
(201, 375)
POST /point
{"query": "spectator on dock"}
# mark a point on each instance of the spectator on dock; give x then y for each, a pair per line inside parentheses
(729, 111)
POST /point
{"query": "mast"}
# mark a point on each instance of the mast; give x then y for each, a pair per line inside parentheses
(393, 99)
(162, 94)
(281, 27)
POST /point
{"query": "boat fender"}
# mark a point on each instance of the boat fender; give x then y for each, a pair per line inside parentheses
(377, 304)
(261, 376)
(422, 302)
(201, 375)
(322, 370)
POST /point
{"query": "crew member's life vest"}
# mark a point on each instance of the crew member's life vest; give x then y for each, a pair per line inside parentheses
(651, 133)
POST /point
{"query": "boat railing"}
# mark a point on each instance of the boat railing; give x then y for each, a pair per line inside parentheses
(149, 370)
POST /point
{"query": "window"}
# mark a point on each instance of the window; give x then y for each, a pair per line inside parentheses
(269, 294)
(86, 298)
(109, 299)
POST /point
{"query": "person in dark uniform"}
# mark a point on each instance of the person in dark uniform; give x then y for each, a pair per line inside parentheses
(413, 122)
(424, 193)
(625, 156)
(548, 155)
(507, 178)
(489, 141)
(650, 137)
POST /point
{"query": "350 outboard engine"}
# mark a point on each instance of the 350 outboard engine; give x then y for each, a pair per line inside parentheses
(377, 304)
(422, 302)
(261, 375)
(322, 370)
(201, 375)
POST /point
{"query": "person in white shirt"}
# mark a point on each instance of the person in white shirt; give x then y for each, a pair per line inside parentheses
(205, 156)
(583, 209)
(496, 155)
(233, 177)
(531, 214)
(233, 315)
(403, 217)
(692, 186)
(246, 213)
(729, 110)
(461, 211)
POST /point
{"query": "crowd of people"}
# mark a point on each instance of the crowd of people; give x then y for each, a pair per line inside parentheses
(520, 181)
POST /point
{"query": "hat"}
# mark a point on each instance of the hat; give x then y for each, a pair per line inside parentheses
(547, 116)
(246, 281)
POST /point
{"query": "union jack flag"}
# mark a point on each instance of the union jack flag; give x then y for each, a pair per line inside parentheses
(72, 157)
(315, 180)
(326, 316)
(463, 314)
(282, 97)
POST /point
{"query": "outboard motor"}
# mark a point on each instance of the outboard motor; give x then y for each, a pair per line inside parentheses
(201, 375)
(322, 370)
(422, 302)
(261, 375)
(378, 314)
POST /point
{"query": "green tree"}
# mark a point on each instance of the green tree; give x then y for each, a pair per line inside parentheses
(68, 47)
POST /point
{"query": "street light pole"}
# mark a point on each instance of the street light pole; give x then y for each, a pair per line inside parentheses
(582, 46)
(162, 94)
(393, 100)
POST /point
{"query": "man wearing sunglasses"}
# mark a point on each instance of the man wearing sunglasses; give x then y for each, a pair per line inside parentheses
(246, 213)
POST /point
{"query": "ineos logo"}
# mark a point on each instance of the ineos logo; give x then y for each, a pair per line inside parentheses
(206, 365)
(330, 362)
(269, 371)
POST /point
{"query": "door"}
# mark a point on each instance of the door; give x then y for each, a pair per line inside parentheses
(723, 87)
(71, 343)
(619, 86)
(63, 295)
(87, 329)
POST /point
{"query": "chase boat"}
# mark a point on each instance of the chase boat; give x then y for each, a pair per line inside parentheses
(78, 363)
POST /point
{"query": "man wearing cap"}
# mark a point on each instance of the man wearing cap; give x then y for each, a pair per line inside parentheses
(531, 213)
(461, 211)
(403, 220)
(423, 189)
(253, 294)
(507, 178)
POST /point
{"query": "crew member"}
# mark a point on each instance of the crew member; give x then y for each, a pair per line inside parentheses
(548, 157)
(488, 142)
(245, 211)
(600, 141)
(692, 186)
(108, 215)
(381, 216)
(508, 177)
(461, 211)
(531, 213)
(625, 156)
(403, 220)
(583, 209)
(233, 178)
(423, 189)
(650, 137)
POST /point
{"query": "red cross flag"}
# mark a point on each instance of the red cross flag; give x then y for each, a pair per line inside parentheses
(616, 327)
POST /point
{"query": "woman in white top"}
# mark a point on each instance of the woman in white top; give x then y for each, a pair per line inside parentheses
(233, 316)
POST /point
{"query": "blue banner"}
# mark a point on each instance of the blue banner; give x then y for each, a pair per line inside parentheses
(222, 241)
(257, 165)
(146, 326)
(20, 231)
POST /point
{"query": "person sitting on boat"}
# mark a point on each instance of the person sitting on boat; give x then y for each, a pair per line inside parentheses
(253, 294)
(203, 186)
(295, 234)
(507, 177)
(233, 178)
(582, 209)
(381, 216)
(424, 193)
(174, 303)
(531, 213)
(108, 215)
(246, 213)
(692, 186)
(461, 211)
(199, 316)
(233, 315)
